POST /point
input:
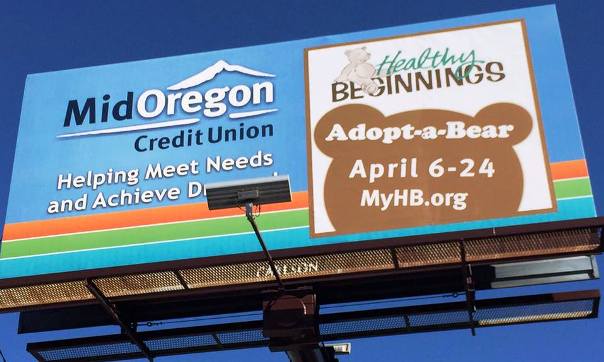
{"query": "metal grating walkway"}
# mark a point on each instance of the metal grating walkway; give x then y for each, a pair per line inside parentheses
(310, 265)
(359, 324)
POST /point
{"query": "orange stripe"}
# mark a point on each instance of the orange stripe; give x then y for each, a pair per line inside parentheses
(159, 215)
(569, 169)
(156, 215)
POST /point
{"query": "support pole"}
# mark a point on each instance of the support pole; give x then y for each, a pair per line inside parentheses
(469, 287)
(113, 312)
(250, 217)
(316, 354)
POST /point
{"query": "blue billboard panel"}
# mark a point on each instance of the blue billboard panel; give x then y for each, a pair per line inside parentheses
(444, 126)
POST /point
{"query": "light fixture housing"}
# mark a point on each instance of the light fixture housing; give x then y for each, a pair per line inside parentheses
(259, 191)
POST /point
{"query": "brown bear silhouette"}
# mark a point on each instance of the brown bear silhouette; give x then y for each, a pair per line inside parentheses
(488, 197)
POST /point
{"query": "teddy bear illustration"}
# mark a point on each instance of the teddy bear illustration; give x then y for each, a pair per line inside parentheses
(359, 71)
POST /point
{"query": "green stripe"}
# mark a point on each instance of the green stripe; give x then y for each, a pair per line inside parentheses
(202, 228)
(147, 234)
(572, 188)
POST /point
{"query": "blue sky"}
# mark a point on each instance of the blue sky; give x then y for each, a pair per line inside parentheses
(40, 36)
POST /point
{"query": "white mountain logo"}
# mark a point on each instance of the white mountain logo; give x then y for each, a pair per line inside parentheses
(210, 72)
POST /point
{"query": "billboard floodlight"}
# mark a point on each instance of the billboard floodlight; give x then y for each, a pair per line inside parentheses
(258, 191)
(249, 193)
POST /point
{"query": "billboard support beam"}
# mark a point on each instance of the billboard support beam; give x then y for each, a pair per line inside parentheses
(469, 287)
(317, 354)
(291, 323)
(114, 313)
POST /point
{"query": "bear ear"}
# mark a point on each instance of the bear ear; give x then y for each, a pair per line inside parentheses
(508, 114)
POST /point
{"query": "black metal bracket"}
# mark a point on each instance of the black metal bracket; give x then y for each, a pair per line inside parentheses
(469, 287)
(127, 328)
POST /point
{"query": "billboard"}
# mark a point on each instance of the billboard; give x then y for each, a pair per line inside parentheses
(451, 125)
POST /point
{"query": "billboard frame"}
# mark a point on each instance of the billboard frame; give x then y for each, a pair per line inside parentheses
(594, 225)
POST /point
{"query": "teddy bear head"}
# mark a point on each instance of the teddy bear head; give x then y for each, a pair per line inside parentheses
(358, 55)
